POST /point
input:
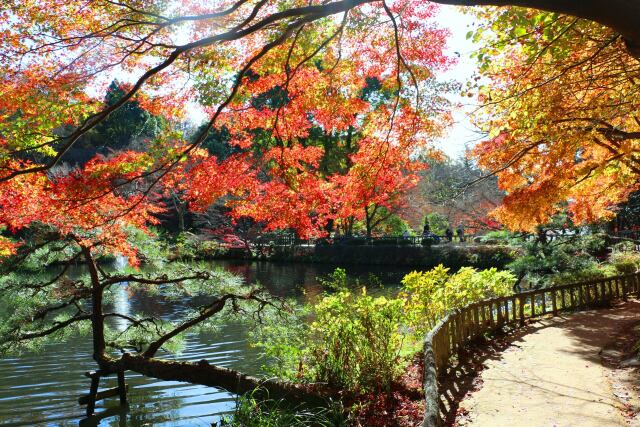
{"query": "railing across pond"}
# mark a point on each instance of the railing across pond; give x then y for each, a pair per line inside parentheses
(291, 240)
(462, 326)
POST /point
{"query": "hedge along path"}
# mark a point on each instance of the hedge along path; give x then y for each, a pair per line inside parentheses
(459, 328)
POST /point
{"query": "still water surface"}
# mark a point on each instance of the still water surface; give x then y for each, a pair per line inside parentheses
(42, 389)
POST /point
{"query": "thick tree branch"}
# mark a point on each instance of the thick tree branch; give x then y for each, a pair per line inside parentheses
(215, 376)
(154, 281)
(623, 16)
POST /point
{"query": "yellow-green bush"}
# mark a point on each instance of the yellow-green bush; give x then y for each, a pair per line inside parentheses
(356, 341)
(428, 296)
(626, 262)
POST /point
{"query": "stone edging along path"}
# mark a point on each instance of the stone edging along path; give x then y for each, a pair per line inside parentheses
(460, 328)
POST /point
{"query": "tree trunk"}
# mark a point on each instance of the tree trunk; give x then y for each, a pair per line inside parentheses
(97, 317)
(623, 16)
(542, 236)
(348, 226)
(215, 376)
(368, 221)
(180, 211)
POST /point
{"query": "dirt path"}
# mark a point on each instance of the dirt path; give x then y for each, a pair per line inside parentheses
(552, 376)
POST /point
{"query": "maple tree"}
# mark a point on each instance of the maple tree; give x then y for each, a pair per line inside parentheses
(375, 187)
(287, 82)
(560, 109)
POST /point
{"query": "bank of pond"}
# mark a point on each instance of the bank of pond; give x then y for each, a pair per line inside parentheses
(452, 255)
(42, 388)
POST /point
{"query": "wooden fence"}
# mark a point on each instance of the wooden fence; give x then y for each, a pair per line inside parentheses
(464, 325)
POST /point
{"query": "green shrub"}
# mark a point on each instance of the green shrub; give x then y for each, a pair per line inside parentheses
(624, 246)
(544, 264)
(496, 237)
(254, 411)
(188, 246)
(429, 296)
(438, 223)
(336, 280)
(625, 262)
(590, 272)
(356, 342)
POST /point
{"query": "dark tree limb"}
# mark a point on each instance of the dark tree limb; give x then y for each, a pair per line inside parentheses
(623, 16)
(205, 313)
(56, 327)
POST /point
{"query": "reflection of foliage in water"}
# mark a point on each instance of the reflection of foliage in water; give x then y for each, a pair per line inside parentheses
(165, 408)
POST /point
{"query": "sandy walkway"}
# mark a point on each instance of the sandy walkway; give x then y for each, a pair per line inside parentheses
(553, 375)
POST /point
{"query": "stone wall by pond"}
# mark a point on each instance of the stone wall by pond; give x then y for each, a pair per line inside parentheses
(426, 257)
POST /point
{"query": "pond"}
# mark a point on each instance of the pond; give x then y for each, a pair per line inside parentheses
(42, 389)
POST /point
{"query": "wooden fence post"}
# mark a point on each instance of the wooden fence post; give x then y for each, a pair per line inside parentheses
(476, 321)
(612, 285)
(554, 304)
(491, 322)
(521, 309)
(432, 396)
(580, 297)
(533, 305)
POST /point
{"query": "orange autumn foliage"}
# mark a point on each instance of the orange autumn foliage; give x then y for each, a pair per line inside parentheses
(561, 111)
(281, 85)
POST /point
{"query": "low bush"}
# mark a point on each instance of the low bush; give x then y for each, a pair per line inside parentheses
(590, 272)
(254, 411)
(429, 296)
(188, 246)
(625, 262)
(501, 237)
(352, 340)
(356, 341)
(624, 246)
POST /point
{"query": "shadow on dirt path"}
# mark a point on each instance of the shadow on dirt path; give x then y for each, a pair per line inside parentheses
(548, 373)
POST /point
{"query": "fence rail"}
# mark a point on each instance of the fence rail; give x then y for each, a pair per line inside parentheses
(292, 240)
(464, 325)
